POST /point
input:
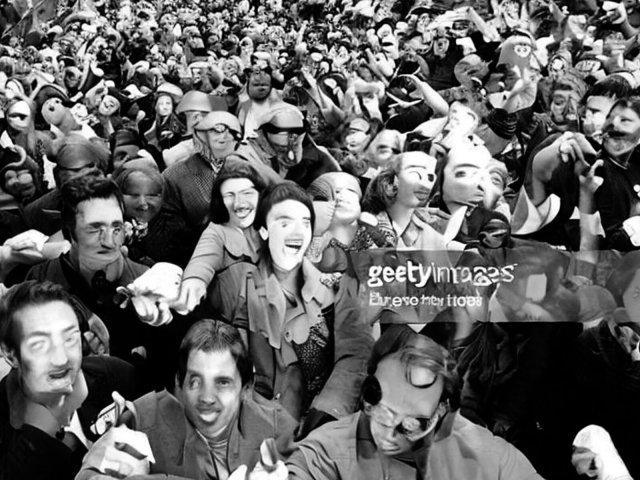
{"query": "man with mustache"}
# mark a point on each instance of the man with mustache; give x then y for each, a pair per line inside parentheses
(282, 143)
(547, 206)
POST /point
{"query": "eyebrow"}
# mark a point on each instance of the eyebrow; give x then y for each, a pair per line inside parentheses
(40, 333)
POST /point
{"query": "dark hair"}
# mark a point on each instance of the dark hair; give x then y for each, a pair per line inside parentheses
(382, 191)
(419, 350)
(80, 189)
(612, 86)
(278, 193)
(214, 336)
(232, 169)
(21, 296)
(632, 102)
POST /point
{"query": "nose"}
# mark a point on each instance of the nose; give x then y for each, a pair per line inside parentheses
(208, 394)
(142, 203)
(108, 238)
(59, 355)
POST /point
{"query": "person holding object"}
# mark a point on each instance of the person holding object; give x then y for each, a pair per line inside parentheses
(214, 425)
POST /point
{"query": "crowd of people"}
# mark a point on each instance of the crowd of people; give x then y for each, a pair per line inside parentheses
(200, 202)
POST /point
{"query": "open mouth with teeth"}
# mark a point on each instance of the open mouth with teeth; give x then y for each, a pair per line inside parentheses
(60, 374)
(293, 247)
(242, 212)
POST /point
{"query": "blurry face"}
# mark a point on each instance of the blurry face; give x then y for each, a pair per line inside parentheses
(348, 196)
(259, 86)
(99, 232)
(164, 106)
(218, 141)
(211, 392)
(142, 197)
(564, 104)
(19, 116)
(595, 114)
(385, 149)
(462, 119)
(401, 401)
(465, 177)
(50, 350)
(241, 199)
(122, 153)
(288, 147)
(416, 179)
(288, 233)
(621, 131)
(108, 106)
(193, 117)
(357, 137)
(70, 166)
(19, 183)
(53, 111)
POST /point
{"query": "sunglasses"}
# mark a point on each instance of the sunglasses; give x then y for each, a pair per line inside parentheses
(410, 427)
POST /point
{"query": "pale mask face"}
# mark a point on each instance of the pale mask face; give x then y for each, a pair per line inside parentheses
(108, 106)
(288, 147)
(288, 233)
(19, 116)
(347, 195)
(416, 179)
(465, 178)
(164, 106)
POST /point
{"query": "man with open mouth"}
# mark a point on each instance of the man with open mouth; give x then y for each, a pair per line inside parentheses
(306, 341)
(51, 393)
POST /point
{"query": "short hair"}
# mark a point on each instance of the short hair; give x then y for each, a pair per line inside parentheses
(382, 191)
(83, 188)
(232, 169)
(27, 294)
(630, 102)
(278, 193)
(214, 336)
(415, 349)
(613, 86)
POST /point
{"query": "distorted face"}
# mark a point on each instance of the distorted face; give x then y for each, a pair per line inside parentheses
(50, 350)
(405, 414)
(108, 106)
(99, 232)
(241, 199)
(164, 106)
(53, 111)
(564, 106)
(441, 46)
(142, 197)
(246, 47)
(465, 177)
(347, 195)
(211, 391)
(462, 119)
(496, 184)
(288, 147)
(19, 183)
(621, 131)
(259, 85)
(288, 233)
(416, 178)
(70, 167)
(192, 117)
(219, 138)
(423, 22)
(230, 68)
(122, 153)
(385, 149)
(595, 114)
(358, 136)
(19, 116)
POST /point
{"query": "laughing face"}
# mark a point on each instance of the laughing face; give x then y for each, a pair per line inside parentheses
(211, 391)
(288, 233)
(241, 199)
(621, 132)
(50, 350)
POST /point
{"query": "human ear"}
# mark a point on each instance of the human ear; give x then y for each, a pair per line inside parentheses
(9, 355)
(264, 234)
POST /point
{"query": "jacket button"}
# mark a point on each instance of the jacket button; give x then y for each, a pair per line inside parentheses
(287, 335)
